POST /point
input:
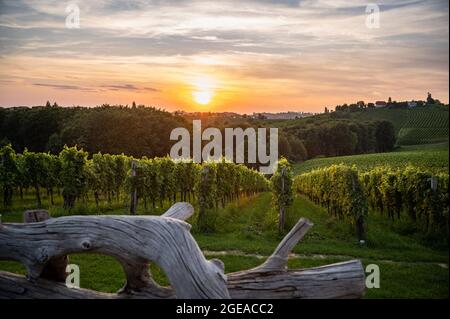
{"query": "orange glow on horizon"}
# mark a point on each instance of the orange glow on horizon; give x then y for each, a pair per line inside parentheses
(195, 88)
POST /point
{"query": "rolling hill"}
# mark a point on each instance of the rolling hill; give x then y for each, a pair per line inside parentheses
(433, 157)
(421, 125)
(422, 139)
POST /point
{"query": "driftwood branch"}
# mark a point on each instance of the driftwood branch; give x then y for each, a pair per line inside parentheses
(181, 211)
(138, 274)
(335, 281)
(55, 268)
(165, 240)
(130, 239)
(343, 280)
(278, 260)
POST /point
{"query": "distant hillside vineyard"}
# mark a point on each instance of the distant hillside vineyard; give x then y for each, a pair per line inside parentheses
(421, 125)
(424, 126)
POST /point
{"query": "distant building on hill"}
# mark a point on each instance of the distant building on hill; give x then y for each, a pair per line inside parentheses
(380, 104)
(282, 115)
(412, 104)
(208, 114)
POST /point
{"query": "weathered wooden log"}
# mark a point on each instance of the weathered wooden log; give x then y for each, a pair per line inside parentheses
(130, 239)
(55, 268)
(343, 280)
(14, 286)
(278, 260)
(272, 279)
(137, 273)
(269, 280)
(181, 211)
(336, 281)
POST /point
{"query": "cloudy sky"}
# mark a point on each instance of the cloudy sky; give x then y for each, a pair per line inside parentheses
(235, 55)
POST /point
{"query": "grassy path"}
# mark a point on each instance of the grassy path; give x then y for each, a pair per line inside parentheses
(317, 257)
(250, 226)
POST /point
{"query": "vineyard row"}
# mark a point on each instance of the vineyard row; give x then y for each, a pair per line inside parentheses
(105, 176)
(411, 194)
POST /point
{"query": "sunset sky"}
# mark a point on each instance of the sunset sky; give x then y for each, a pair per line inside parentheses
(238, 55)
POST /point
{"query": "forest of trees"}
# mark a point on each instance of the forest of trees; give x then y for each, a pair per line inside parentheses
(341, 137)
(144, 131)
(137, 131)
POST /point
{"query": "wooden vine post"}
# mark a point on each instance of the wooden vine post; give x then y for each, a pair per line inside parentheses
(360, 220)
(281, 220)
(282, 191)
(165, 240)
(133, 200)
(434, 183)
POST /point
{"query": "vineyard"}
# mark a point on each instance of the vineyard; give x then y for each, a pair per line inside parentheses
(424, 126)
(109, 178)
(338, 189)
(412, 194)
(247, 223)
(431, 157)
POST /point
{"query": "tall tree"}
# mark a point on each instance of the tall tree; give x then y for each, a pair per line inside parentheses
(385, 136)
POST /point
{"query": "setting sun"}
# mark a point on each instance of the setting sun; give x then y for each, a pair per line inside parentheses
(204, 89)
(202, 97)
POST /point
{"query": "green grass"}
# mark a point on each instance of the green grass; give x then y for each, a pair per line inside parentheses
(396, 280)
(432, 157)
(14, 214)
(251, 228)
(409, 269)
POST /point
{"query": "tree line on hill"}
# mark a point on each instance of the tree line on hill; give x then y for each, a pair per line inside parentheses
(144, 131)
(391, 104)
(332, 137)
(137, 131)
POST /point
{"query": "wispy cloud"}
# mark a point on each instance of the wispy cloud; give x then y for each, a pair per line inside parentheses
(62, 86)
(301, 53)
(128, 87)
